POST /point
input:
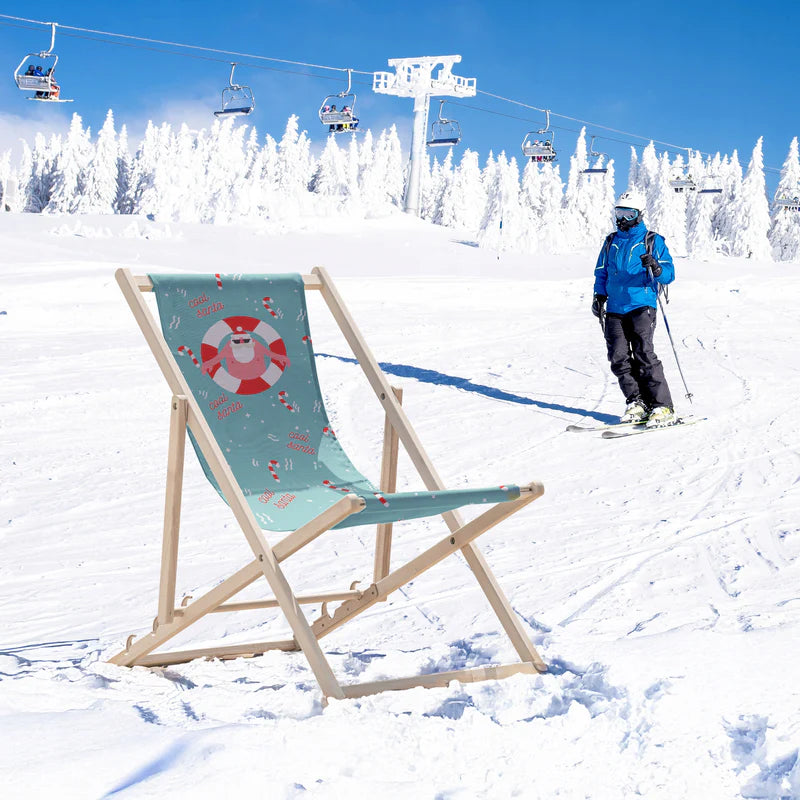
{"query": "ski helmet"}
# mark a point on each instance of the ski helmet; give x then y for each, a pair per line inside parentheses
(625, 218)
(632, 199)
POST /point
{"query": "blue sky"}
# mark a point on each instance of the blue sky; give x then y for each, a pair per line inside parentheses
(709, 75)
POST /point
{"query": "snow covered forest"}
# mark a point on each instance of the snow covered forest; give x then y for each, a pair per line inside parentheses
(227, 174)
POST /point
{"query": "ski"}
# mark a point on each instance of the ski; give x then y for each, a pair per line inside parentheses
(641, 428)
(607, 427)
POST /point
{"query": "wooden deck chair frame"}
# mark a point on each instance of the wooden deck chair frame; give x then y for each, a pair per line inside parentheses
(171, 620)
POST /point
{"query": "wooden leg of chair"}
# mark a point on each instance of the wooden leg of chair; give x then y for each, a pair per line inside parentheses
(499, 602)
(497, 598)
(268, 560)
(388, 484)
(294, 616)
(172, 509)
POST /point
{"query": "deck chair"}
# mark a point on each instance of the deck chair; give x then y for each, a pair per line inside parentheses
(237, 355)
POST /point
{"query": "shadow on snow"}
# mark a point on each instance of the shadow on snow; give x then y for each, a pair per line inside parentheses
(439, 378)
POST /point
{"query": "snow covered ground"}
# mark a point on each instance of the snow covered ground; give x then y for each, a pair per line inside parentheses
(659, 575)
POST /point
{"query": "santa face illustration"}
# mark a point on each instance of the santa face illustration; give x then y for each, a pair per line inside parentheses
(242, 347)
(243, 354)
(245, 358)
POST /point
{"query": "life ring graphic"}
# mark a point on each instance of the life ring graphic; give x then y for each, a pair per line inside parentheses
(243, 364)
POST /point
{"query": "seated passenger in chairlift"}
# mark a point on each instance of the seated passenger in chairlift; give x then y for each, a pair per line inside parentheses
(37, 73)
(30, 71)
(332, 128)
(55, 89)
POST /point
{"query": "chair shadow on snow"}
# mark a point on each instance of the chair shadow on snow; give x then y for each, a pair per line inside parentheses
(439, 378)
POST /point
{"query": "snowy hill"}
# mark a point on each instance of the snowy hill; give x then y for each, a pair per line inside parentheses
(658, 575)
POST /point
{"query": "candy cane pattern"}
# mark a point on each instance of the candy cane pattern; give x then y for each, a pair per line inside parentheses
(272, 467)
(282, 397)
(219, 280)
(334, 486)
(185, 351)
(307, 339)
(328, 431)
(266, 301)
(381, 499)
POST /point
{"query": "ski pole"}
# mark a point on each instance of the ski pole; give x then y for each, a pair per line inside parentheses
(500, 242)
(689, 395)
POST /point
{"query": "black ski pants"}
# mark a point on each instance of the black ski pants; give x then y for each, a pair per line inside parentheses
(629, 339)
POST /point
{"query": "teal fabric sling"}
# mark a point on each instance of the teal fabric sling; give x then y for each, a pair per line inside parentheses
(243, 345)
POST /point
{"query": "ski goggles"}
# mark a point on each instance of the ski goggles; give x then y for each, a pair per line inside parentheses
(628, 214)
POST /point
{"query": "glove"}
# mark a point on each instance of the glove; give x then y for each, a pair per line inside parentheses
(598, 303)
(648, 262)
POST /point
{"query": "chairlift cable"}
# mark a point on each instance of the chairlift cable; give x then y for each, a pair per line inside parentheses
(186, 46)
(198, 57)
(555, 127)
(592, 125)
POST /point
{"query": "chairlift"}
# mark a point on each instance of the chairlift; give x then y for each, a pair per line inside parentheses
(592, 154)
(789, 203)
(237, 101)
(342, 119)
(42, 84)
(709, 185)
(683, 183)
(537, 149)
(444, 132)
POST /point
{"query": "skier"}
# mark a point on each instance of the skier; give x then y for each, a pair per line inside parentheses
(626, 285)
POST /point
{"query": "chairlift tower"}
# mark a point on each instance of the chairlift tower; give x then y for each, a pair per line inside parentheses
(414, 77)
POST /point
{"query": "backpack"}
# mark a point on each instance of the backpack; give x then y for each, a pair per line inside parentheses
(649, 244)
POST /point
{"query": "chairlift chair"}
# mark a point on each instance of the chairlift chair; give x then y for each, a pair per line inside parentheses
(444, 132)
(709, 185)
(540, 150)
(237, 101)
(45, 87)
(683, 183)
(338, 120)
(592, 154)
(789, 203)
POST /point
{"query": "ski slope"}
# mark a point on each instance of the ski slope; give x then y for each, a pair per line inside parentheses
(658, 575)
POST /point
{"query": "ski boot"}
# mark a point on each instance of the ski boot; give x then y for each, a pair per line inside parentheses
(661, 417)
(635, 411)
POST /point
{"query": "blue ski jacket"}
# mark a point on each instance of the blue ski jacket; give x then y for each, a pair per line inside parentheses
(620, 276)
